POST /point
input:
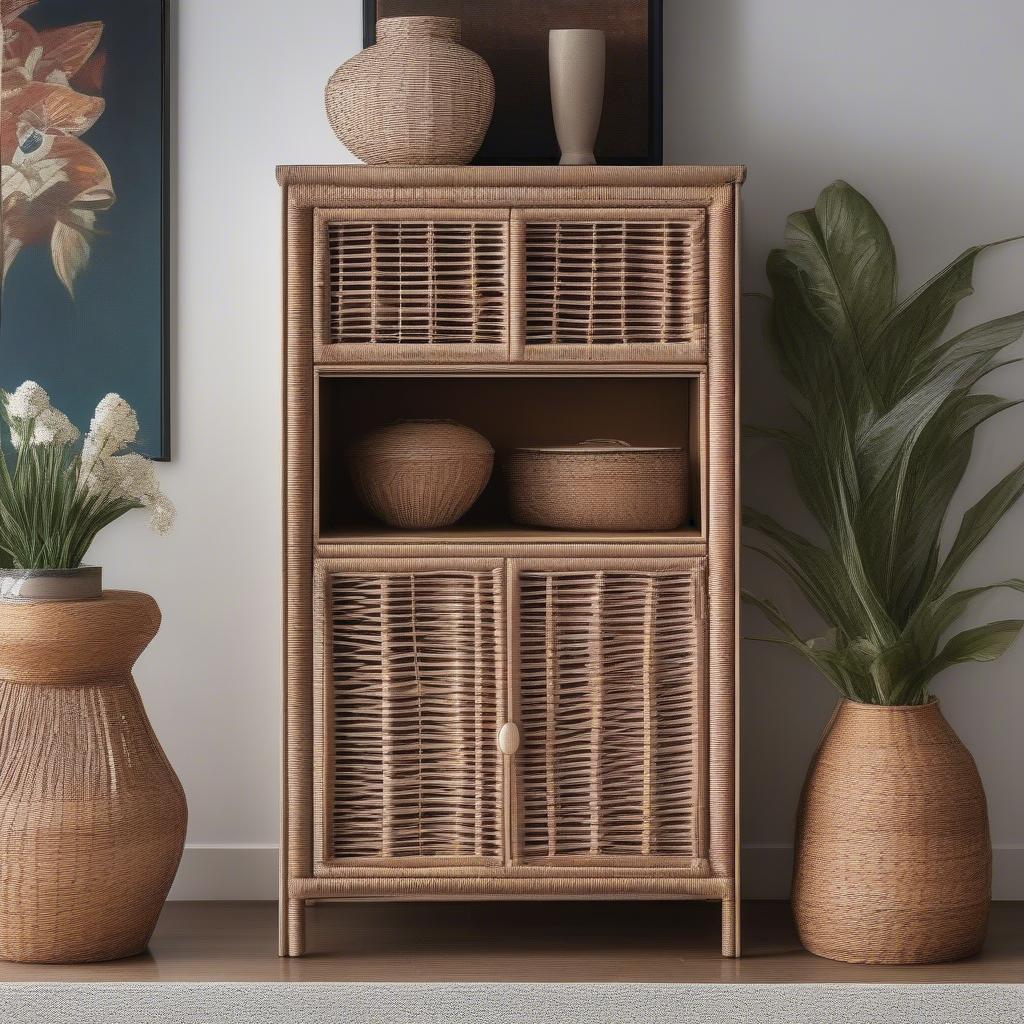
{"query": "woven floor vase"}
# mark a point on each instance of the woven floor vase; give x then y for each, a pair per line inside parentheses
(416, 97)
(92, 816)
(893, 857)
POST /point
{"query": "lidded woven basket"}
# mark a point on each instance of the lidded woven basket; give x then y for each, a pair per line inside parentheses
(597, 485)
(420, 474)
(416, 97)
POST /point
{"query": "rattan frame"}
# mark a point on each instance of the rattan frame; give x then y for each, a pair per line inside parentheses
(307, 189)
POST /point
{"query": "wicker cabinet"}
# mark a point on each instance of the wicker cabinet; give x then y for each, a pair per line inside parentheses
(492, 711)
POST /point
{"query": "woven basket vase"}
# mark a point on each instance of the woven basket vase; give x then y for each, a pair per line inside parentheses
(417, 97)
(597, 485)
(893, 857)
(420, 474)
(92, 816)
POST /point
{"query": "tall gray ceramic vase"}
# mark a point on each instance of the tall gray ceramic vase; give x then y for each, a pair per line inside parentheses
(576, 66)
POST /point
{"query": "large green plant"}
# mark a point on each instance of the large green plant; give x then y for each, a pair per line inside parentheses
(887, 410)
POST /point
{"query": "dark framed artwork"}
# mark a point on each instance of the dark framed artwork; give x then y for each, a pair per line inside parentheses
(84, 307)
(512, 36)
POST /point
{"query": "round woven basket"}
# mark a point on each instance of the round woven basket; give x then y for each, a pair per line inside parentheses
(893, 857)
(597, 485)
(416, 97)
(420, 474)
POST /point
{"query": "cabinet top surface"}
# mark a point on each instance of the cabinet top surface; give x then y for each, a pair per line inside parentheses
(678, 175)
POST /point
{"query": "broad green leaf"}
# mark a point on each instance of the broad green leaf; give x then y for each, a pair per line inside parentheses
(824, 581)
(886, 421)
(826, 662)
(978, 522)
(936, 468)
(932, 620)
(860, 255)
(985, 339)
(982, 643)
(918, 321)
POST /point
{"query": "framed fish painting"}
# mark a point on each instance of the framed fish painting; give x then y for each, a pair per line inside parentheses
(84, 206)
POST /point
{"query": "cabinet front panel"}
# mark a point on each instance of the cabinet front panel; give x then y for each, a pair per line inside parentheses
(610, 707)
(417, 286)
(610, 285)
(412, 680)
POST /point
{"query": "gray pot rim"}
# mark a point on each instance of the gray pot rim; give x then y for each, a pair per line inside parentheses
(21, 586)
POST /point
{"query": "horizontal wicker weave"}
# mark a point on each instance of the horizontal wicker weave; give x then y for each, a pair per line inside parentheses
(92, 815)
(413, 709)
(417, 281)
(597, 486)
(609, 702)
(893, 857)
(616, 281)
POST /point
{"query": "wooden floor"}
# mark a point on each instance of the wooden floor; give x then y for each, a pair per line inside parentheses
(525, 941)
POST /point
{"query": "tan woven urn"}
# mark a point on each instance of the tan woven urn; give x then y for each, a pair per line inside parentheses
(416, 97)
(92, 816)
(893, 856)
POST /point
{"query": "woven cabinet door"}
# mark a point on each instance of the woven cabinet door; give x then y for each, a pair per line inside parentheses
(417, 286)
(610, 697)
(609, 285)
(410, 693)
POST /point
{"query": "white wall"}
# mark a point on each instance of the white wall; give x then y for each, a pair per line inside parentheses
(918, 103)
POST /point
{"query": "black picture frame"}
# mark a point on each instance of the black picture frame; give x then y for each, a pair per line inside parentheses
(655, 72)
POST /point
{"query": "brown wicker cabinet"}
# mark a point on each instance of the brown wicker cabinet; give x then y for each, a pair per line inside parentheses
(493, 711)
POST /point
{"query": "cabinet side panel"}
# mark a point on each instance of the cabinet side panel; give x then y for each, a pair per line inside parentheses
(722, 533)
(298, 527)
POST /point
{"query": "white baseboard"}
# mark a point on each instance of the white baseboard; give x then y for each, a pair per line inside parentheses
(215, 872)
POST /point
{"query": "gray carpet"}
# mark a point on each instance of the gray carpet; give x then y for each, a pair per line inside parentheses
(345, 1003)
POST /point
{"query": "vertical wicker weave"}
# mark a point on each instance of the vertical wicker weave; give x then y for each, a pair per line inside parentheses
(413, 709)
(610, 664)
(509, 713)
(92, 816)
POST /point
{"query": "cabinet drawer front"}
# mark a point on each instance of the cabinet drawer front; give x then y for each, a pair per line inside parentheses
(610, 709)
(411, 694)
(412, 285)
(610, 285)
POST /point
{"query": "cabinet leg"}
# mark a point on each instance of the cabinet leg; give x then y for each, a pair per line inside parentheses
(729, 927)
(293, 935)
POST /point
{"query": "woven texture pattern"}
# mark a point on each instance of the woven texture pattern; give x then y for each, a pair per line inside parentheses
(893, 856)
(615, 282)
(414, 703)
(92, 816)
(417, 282)
(420, 474)
(417, 97)
(703, 199)
(609, 685)
(614, 490)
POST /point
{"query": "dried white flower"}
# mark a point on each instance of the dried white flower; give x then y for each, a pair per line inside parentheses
(162, 515)
(136, 478)
(114, 426)
(27, 402)
(51, 426)
(98, 476)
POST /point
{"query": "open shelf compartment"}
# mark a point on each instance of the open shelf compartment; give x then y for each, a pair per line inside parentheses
(510, 411)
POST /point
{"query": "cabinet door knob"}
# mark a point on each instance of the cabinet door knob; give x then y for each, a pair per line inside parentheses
(508, 738)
